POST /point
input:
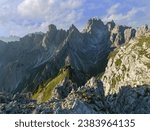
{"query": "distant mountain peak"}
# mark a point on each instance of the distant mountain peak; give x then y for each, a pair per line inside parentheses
(111, 25)
(73, 28)
(143, 30)
(10, 38)
(52, 27)
(93, 24)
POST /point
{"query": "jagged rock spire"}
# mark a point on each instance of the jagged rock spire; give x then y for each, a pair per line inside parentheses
(52, 27)
(111, 25)
(92, 24)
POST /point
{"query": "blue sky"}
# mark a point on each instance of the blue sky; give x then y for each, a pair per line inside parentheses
(19, 17)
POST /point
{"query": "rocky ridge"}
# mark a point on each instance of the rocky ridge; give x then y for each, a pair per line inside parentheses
(9, 38)
(128, 65)
(88, 99)
(39, 57)
(51, 71)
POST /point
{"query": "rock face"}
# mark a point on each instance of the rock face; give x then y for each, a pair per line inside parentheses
(53, 72)
(17, 59)
(120, 34)
(143, 30)
(88, 99)
(129, 100)
(128, 65)
(39, 57)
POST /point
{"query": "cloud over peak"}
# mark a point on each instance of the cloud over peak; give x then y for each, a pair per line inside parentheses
(47, 8)
(115, 13)
(19, 17)
(25, 16)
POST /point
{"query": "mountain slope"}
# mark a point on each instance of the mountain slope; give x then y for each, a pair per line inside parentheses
(44, 92)
(39, 57)
(103, 69)
(128, 65)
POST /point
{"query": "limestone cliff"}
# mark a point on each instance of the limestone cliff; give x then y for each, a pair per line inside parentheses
(128, 65)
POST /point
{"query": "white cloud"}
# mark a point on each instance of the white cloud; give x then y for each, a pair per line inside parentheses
(120, 16)
(33, 8)
(24, 16)
(62, 13)
(52, 11)
(93, 6)
(113, 9)
(113, 13)
(19, 17)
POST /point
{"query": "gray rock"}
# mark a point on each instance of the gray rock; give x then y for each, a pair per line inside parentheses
(128, 66)
(129, 34)
(121, 34)
(63, 89)
(80, 107)
(143, 30)
(111, 25)
(38, 57)
(128, 100)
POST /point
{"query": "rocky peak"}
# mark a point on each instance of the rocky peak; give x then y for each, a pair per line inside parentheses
(96, 33)
(52, 37)
(111, 25)
(128, 65)
(52, 28)
(60, 76)
(73, 28)
(74, 38)
(129, 34)
(120, 28)
(73, 33)
(143, 30)
(144, 27)
(10, 38)
(96, 21)
(121, 34)
(94, 24)
(32, 40)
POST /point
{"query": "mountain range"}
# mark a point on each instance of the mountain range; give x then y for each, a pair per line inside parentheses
(10, 38)
(105, 68)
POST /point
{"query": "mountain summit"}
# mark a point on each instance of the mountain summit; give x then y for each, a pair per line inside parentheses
(91, 71)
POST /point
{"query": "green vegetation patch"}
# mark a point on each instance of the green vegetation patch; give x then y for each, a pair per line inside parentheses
(44, 93)
(118, 62)
(148, 65)
(114, 82)
(124, 68)
(143, 39)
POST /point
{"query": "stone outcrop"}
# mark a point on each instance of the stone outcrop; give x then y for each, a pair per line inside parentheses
(38, 57)
(120, 34)
(143, 31)
(129, 100)
(128, 65)
(88, 99)
(56, 69)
